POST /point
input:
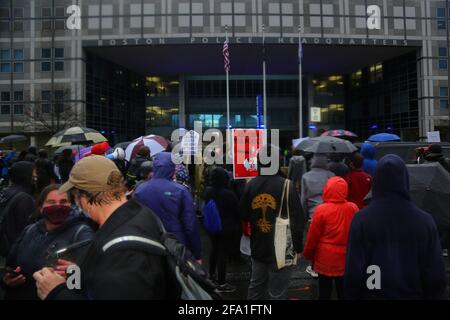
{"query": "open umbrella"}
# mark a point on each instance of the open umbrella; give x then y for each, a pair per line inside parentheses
(429, 189)
(13, 138)
(383, 137)
(326, 145)
(75, 135)
(74, 147)
(339, 134)
(156, 144)
(122, 145)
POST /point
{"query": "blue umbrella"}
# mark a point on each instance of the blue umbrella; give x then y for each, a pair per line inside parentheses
(383, 137)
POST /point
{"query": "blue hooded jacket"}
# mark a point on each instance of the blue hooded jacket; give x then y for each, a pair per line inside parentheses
(368, 152)
(171, 202)
(398, 237)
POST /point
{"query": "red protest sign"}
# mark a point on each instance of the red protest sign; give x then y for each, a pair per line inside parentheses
(246, 143)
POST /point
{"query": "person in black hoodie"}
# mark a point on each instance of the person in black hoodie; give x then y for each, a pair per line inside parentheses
(31, 155)
(227, 204)
(60, 226)
(44, 170)
(260, 205)
(395, 237)
(65, 164)
(17, 204)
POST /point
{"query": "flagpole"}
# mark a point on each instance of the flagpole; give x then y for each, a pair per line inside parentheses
(228, 85)
(264, 80)
(300, 83)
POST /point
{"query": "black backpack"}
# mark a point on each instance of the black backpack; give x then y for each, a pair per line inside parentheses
(189, 278)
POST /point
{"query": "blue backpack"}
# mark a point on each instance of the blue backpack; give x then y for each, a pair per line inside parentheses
(211, 218)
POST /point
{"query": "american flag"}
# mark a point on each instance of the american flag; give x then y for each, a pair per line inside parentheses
(226, 56)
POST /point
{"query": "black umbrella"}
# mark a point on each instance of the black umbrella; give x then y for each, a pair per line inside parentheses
(13, 138)
(430, 191)
(326, 145)
(122, 145)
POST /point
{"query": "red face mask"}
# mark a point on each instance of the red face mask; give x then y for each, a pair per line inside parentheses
(56, 214)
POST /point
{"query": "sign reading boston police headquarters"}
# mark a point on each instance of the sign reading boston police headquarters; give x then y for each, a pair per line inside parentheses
(253, 40)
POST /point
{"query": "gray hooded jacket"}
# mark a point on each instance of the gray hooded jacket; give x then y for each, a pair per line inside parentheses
(313, 183)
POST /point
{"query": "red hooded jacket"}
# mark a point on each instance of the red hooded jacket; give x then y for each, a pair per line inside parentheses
(326, 242)
(359, 184)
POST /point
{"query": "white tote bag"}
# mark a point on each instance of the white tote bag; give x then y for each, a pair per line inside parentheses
(284, 249)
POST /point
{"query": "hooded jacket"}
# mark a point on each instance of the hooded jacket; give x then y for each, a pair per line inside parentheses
(368, 152)
(17, 204)
(260, 205)
(326, 242)
(297, 168)
(398, 237)
(171, 202)
(359, 184)
(313, 183)
(226, 200)
(32, 249)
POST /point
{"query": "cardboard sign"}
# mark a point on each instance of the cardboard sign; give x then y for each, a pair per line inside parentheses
(434, 136)
(246, 143)
(315, 114)
(189, 143)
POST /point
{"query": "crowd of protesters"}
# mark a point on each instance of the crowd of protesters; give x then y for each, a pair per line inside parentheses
(343, 213)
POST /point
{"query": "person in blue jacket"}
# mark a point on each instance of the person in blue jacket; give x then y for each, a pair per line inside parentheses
(393, 250)
(368, 152)
(172, 202)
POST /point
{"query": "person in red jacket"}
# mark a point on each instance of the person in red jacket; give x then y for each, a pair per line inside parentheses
(326, 242)
(359, 182)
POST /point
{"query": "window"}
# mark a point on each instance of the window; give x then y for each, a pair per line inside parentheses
(440, 12)
(5, 67)
(18, 54)
(6, 109)
(59, 52)
(46, 66)
(443, 91)
(443, 104)
(18, 109)
(18, 13)
(59, 65)
(441, 25)
(46, 12)
(4, 12)
(46, 108)
(18, 67)
(5, 96)
(18, 95)
(46, 53)
(46, 24)
(5, 54)
(18, 26)
(442, 51)
(45, 95)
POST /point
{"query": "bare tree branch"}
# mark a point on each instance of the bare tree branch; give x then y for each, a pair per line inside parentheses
(62, 115)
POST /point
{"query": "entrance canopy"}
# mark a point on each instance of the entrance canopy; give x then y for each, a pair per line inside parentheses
(204, 59)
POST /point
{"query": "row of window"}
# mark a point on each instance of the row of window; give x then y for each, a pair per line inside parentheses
(18, 67)
(46, 101)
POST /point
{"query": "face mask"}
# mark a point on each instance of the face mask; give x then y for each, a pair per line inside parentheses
(56, 214)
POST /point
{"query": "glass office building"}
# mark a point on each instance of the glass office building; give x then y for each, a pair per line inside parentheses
(151, 66)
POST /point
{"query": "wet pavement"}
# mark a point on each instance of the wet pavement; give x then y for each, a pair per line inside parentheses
(302, 286)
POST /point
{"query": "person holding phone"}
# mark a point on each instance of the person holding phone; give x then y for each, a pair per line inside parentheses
(59, 226)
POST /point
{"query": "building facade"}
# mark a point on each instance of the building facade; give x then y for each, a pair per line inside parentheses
(138, 66)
